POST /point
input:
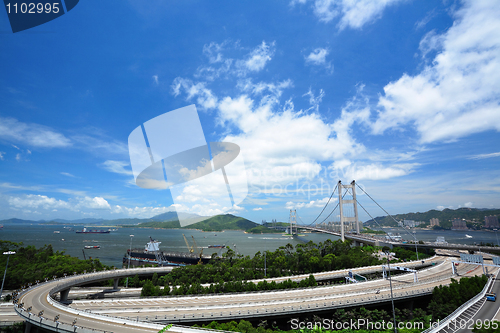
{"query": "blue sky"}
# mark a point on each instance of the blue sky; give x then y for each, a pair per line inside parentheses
(402, 96)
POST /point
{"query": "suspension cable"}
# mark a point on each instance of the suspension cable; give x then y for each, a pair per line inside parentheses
(409, 233)
(374, 219)
(325, 205)
(333, 209)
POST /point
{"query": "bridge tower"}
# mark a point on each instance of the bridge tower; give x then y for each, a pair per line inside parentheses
(352, 188)
(293, 221)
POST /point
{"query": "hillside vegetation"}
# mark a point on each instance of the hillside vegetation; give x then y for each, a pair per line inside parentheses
(443, 216)
(215, 223)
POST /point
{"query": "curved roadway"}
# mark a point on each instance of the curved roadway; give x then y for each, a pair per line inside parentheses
(138, 315)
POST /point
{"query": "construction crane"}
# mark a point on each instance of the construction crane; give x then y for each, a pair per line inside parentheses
(195, 247)
(190, 248)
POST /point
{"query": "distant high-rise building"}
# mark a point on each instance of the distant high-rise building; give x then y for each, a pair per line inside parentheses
(459, 224)
(409, 223)
(491, 221)
(434, 221)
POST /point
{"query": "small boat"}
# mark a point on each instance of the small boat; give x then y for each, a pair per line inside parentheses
(216, 246)
(468, 236)
(57, 232)
(92, 247)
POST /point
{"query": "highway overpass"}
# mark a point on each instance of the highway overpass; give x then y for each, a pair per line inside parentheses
(151, 314)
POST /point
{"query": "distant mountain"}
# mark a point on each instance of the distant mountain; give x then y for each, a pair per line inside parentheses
(19, 221)
(79, 221)
(224, 222)
(168, 216)
(157, 224)
(444, 215)
(215, 223)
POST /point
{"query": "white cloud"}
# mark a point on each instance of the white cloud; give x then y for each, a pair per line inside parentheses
(317, 57)
(353, 14)
(93, 203)
(423, 22)
(257, 208)
(2, 153)
(36, 135)
(68, 174)
(213, 51)
(83, 206)
(310, 204)
(35, 201)
(155, 79)
(469, 204)
(257, 59)
(221, 66)
(99, 143)
(483, 156)
(204, 97)
(117, 167)
(345, 169)
(314, 100)
(260, 88)
(459, 93)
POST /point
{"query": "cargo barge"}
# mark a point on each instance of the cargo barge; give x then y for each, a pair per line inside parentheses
(151, 255)
(90, 231)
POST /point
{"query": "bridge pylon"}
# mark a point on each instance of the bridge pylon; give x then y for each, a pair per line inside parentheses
(293, 221)
(352, 187)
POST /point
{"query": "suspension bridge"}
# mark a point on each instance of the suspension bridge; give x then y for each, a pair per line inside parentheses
(348, 225)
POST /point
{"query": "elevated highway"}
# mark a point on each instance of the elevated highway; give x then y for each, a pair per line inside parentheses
(150, 315)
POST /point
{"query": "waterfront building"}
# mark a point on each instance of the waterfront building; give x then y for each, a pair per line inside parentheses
(459, 224)
(491, 221)
(434, 221)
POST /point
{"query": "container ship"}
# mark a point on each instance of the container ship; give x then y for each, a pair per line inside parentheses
(90, 231)
(151, 254)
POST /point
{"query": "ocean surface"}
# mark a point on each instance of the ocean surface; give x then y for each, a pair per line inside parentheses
(115, 244)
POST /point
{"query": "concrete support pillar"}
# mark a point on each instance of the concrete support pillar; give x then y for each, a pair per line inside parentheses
(64, 295)
(115, 283)
(28, 327)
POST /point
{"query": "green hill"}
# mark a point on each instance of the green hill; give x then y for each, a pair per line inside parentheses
(444, 215)
(223, 222)
(215, 223)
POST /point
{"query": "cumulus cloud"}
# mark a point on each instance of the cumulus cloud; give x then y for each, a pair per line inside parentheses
(374, 171)
(257, 208)
(36, 135)
(458, 94)
(352, 14)
(35, 201)
(42, 204)
(318, 58)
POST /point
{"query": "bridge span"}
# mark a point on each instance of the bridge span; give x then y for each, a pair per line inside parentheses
(151, 314)
(374, 241)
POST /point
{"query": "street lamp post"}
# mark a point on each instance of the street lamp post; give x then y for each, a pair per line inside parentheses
(392, 298)
(129, 252)
(8, 253)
